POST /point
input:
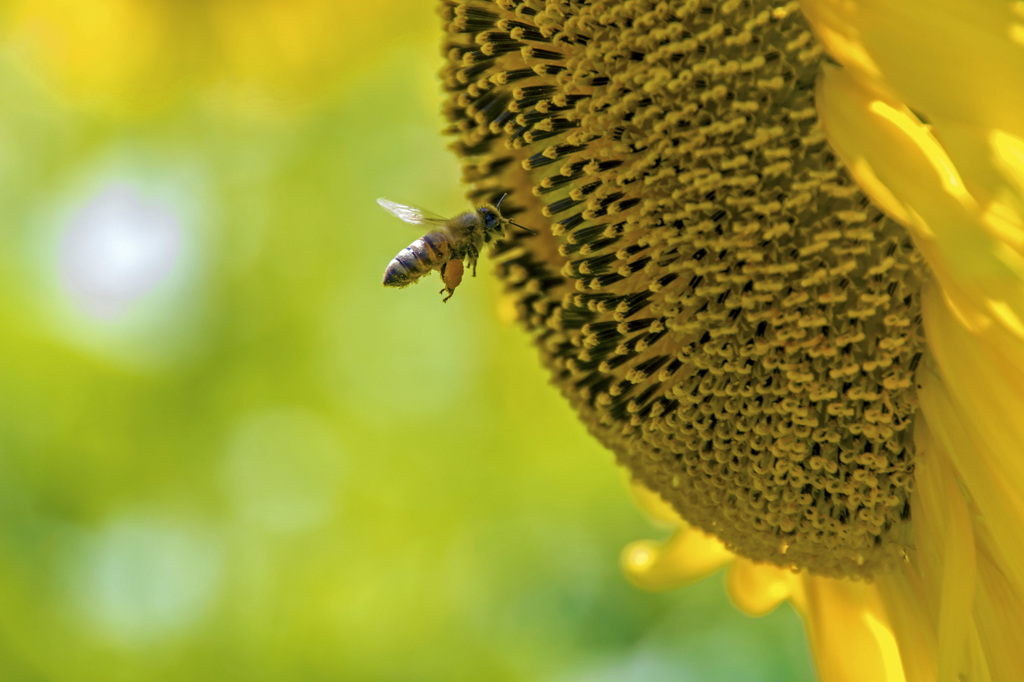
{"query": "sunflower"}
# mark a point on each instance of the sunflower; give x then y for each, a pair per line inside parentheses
(779, 276)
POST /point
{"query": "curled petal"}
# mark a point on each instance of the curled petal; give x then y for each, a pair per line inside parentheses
(756, 589)
(686, 557)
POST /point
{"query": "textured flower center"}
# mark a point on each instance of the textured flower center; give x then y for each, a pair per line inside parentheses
(714, 295)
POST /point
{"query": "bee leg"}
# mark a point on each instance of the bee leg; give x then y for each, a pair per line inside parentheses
(451, 275)
(444, 268)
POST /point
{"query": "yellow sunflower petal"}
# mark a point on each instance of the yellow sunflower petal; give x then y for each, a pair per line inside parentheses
(925, 50)
(849, 631)
(757, 588)
(999, 515)
(973, 412)
(1000, 618)
(914, 628)
(686, 557)
(945, 553)
(921, 52)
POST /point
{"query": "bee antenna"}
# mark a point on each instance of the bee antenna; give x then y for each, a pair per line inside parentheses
(498, 205)
(521, 227)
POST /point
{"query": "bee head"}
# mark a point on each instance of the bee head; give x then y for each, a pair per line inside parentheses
(494, 224)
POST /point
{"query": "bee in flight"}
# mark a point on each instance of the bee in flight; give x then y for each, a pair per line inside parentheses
(456, 242)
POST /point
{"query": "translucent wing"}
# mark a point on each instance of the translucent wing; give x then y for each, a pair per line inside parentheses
(411, 214)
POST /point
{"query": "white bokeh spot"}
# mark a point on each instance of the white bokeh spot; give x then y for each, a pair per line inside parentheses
(141, 579)
(117, 247)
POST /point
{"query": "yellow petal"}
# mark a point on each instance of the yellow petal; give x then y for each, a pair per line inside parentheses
(757, 588)
(1000, 618)
(849, 631)
(973, 409)
(953, 60)
(907, 606)
(686, 557)
(945, 553)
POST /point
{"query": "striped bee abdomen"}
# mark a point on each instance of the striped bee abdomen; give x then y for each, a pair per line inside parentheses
(423, 255)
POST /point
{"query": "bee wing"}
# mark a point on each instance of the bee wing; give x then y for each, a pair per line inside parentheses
(411, 214)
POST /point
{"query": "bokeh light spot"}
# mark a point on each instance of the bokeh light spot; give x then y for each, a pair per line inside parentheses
(143, 578)
(116, 248)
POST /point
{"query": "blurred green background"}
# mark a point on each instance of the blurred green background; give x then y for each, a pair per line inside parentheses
(226, 452)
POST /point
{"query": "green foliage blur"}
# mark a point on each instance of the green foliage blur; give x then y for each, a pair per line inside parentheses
(227, 453)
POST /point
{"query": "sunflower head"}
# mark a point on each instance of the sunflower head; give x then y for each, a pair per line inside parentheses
(719, 302)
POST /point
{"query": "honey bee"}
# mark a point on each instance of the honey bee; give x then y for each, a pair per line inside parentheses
(456, 243)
